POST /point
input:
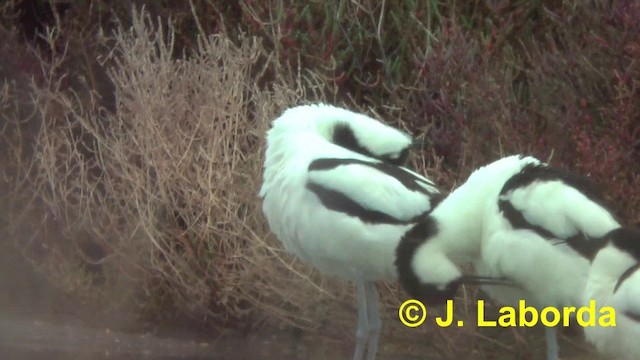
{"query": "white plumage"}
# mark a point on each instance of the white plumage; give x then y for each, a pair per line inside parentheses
(614, 280)
(429, 255)
(542, 233)
(520, 220)
(334, 195)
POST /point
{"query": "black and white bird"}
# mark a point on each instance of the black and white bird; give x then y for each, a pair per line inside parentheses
(614, 280)
(335, 195)
(516, 219)
(542, 233)
(430, 254)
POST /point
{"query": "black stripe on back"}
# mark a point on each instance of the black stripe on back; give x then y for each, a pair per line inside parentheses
(633, 316)
(531, 173)
(625, 275)
(517, 220)
(541, 172)
(583, 245)
(407, 179)
(337, 201)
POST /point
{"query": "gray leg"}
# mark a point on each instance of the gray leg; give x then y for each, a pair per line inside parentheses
(552, 343)
(374, 320)
(363, 324)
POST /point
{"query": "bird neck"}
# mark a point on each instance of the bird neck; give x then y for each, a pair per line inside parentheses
(461, 216)
(459, 220)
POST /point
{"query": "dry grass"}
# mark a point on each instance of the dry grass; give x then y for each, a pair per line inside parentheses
(161, 195)
(157, 200)
(151, 171)
(162, 187)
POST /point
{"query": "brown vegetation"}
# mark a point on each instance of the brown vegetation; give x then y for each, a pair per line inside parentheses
(143, 142)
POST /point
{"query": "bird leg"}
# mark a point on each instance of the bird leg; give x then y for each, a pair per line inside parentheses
(374, 320)
(362, 334)
(551, 337)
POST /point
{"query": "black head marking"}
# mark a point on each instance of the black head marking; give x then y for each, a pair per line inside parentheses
(436, 199)
(420, 233)
(343, 136)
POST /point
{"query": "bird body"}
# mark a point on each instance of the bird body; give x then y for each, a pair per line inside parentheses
(542, 233)
(323, 236)
(529, 223)
(614, 281)
(430, 253)
(335, 196)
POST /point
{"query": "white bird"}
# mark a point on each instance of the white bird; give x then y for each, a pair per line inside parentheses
(542, 234)
(521, 220)
(614, 280)
(429, 255)
(335, 196)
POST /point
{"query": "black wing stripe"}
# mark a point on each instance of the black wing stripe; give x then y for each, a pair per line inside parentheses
(586, 247)
(407, 179)
(542, 172)
(625, 275)
(517, 220)
(337, 201)
(627, 240)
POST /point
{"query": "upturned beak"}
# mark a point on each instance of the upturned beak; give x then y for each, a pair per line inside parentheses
(485, 280)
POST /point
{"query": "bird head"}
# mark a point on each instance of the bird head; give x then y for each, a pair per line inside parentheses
(427, 273)
(353, 131)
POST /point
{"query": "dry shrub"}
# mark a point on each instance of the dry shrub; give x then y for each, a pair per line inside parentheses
(158, 192)
(159, 198)
(6, 105)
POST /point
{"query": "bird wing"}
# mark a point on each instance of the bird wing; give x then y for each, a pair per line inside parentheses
(375, 192)
(626, 294)
(556, 207)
